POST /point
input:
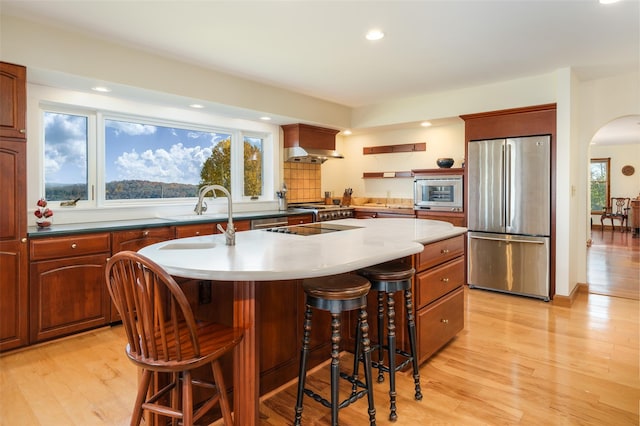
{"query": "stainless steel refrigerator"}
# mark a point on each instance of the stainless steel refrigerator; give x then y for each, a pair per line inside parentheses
(509, 215)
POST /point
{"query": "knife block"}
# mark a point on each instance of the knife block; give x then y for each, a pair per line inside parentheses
(346, 200)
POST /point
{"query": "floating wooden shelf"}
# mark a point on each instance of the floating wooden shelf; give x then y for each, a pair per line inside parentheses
(376, 175)
(388, 149)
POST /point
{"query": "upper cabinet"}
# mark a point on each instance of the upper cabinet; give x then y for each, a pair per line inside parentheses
(13, 101)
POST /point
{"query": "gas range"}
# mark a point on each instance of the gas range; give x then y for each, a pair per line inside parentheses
(325, 212)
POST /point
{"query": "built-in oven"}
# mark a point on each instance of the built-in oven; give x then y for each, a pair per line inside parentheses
(439, 193)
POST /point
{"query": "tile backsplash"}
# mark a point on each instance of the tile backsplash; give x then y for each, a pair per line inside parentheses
(303, 182)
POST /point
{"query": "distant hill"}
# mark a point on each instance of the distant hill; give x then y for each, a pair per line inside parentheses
(123, 190)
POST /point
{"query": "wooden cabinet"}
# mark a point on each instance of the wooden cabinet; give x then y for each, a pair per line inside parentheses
(67, 289)
(454, 218)
(13, 101)
(373, 214)
(14, 266)
(240, 225)
(184, 231)
(300, 219)
(439, 294)
(135, 239)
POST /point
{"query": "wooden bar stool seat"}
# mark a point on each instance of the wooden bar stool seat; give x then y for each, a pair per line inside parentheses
(336, 294)
(386, 279)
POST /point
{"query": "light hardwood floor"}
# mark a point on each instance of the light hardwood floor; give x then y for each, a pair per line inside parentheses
(518, 361)
(613, 263)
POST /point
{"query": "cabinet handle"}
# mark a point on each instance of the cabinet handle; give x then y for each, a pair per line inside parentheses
(444, 280)
(444, 251)
(108, 259)
(23, 131)
(145, 234)
(74, 245)
(444, 321)
(24, 240)
(197, 232)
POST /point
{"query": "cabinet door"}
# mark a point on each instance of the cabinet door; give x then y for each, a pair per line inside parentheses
(240, 225)
(439, 322)
(184, 231)
(13, 101)
(68, 295)
(13, 246)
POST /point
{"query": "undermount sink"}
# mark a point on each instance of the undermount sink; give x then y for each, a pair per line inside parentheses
(188, 246)
(196, 217)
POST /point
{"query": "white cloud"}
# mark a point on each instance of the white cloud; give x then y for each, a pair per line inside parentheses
(179, 164)
(133, 129)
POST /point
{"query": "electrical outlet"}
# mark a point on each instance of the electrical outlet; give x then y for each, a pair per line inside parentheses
(204, 292)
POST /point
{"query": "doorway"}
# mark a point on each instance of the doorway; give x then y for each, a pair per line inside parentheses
(613, 259)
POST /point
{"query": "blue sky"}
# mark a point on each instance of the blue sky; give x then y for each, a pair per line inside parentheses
(133, 151)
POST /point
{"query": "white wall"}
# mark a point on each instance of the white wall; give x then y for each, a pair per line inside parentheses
(442, 141)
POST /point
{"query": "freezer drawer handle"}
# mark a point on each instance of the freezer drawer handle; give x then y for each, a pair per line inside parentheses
(444, 251)
(508, 241)
(444, 321)
(444, 280)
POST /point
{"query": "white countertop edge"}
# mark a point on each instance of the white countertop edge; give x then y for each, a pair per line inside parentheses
(265, 256)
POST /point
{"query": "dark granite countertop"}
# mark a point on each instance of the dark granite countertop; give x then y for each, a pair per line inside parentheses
(121, 225)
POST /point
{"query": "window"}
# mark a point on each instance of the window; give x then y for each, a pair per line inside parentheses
(150, 161)
(105, 158)
(65, 156)
(599, 184)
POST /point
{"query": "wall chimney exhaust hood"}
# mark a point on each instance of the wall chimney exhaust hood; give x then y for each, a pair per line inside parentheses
(309, 144)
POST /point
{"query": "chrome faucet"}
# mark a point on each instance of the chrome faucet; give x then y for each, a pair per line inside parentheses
(230, 232)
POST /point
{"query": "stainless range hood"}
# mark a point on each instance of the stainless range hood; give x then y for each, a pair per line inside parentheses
(298, 154)
(309, 144)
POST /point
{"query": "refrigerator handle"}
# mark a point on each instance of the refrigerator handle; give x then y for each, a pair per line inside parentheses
(473, 237)
(507, 179)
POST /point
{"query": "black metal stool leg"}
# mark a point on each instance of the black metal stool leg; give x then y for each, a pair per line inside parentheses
(303, 364)
(356, 360)
(366, 352)
(412, 343)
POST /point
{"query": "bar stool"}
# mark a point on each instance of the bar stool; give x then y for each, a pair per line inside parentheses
(387, 278)
(336, 294)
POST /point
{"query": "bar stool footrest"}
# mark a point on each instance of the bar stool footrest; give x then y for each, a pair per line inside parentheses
(345, 403)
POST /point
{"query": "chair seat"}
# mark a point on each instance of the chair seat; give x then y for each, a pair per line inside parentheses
(390, 271)
(215, 340)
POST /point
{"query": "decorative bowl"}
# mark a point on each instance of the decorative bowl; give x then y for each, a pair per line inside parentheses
(444, 163)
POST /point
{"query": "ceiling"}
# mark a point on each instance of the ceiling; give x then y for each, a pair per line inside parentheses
(318, 48)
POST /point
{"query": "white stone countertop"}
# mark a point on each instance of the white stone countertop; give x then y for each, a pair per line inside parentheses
(261, 255)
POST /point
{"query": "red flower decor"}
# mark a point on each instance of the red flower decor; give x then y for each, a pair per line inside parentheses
(43, 214)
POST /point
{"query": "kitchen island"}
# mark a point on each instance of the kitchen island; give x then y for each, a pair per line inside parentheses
(326, 248)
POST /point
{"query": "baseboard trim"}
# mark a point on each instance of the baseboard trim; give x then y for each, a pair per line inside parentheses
(567, 301)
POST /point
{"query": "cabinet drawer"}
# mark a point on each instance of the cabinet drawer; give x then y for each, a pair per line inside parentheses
(439, 252)
(52, 248)
(300, 219)
(439, 281)
(185, 231)
(440, 322)
(135, 239)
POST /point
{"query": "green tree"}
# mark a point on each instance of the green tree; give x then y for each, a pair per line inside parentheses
(216, 169)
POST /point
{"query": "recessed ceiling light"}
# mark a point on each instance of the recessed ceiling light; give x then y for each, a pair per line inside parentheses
(425, 124)
(265, 118)
(197, 106)
(608, 1)
(102, 89)
(346, 132)
(374, 35)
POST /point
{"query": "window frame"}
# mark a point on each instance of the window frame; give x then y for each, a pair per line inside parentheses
(607, 181)
(96, 154)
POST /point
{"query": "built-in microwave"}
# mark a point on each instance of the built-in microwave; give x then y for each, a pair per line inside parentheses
(439, 193)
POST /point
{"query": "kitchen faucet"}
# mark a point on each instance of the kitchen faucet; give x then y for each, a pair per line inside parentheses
(230, 232)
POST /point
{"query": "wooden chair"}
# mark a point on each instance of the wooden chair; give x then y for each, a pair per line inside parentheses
(164, 337)
(618, 209)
